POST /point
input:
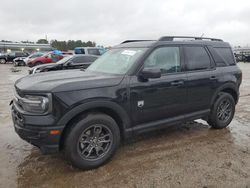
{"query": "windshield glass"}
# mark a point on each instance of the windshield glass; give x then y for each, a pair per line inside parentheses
(35, 55)
(116, 61)
(64, 60)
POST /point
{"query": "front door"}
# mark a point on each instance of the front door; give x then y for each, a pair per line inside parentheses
(164, 97)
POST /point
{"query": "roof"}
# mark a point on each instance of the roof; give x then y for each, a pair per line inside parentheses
(170, 40)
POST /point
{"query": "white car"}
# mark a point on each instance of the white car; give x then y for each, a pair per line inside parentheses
(19, 61)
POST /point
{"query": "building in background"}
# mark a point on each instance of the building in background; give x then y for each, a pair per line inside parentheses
(27, 47)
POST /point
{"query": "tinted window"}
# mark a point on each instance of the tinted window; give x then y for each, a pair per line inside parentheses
(12, 54)
(91, 58)
(84, 59)
(226, 54)
(197, 58)
(19, 54)
(79, 51)
(94, 51)
(166, 58)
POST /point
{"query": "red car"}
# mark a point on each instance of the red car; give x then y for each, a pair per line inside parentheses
(46, 58)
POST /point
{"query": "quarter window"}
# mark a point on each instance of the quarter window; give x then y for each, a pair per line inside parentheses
(226, 54)
(197, 58)
(167, 59)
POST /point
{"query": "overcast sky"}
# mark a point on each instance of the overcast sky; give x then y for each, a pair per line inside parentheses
(108, 22)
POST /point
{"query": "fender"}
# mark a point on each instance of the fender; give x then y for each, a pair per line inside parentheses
(126, 123)
(228, 85)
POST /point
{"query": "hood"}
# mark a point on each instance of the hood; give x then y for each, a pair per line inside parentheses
(57, 81)
(41, 67)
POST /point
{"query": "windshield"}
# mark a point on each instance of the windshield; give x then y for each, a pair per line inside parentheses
(116, 61)
(35, 55)
(64, 60)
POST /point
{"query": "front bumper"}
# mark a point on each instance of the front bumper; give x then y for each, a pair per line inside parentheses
(36, 131)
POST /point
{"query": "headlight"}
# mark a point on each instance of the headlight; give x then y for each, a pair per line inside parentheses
(35, 104)
(37, 71)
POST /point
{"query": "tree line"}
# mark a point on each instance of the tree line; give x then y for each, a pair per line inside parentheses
(67, 45)
(61, 45)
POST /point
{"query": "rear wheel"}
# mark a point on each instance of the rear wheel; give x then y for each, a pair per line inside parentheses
(222, 111)
(92, 141)
(2, 61)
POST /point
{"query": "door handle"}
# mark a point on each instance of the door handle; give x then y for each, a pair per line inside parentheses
(213, 78)
(177, 83)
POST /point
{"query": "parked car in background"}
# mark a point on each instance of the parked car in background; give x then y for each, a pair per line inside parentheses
(242, 58)
(69, 62)
(32, 56)
(46, 58)
(9, 57)
(89, 50)
(19, 61)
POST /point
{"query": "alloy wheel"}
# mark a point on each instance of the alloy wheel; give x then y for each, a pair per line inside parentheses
(95, 142)
(224, 110)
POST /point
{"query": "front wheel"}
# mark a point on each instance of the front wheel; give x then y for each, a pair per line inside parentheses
(2, 61)
(92, 141)
(222, 111)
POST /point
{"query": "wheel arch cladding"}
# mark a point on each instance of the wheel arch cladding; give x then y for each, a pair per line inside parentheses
(229, 88)
(106, 107)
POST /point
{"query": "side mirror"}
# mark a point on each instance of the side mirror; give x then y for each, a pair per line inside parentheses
(46, 56)
(147, 73)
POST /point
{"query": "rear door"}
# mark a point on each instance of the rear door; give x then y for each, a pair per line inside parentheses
(201, 75)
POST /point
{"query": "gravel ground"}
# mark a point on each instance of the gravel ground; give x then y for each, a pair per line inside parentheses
(188, 155)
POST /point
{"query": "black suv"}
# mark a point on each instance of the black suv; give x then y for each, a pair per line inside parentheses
(135, 87)
(11, 56)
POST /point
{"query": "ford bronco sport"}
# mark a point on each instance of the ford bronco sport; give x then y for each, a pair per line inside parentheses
(135, 87)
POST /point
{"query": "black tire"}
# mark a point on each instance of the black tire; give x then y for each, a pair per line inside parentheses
(81, 138)
(38, 63)
(2, 61)
(221, 116)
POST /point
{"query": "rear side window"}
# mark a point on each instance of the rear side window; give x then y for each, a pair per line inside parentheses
(78, 60)
(84, 59)
(197, 58)
(226, 54)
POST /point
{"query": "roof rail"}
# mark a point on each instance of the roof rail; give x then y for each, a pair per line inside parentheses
(127, 41)
(171, 38)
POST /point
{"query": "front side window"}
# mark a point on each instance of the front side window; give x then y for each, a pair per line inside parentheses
(167, 59)
(116, 61)
(197, 58)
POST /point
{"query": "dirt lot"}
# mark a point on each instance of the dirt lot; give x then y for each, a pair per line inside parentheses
(188, 155)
